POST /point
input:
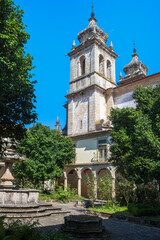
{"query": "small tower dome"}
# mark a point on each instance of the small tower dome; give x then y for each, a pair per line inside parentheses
(134, 70)
(92, 31)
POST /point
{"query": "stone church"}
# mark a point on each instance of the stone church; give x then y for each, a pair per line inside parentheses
(93, 92)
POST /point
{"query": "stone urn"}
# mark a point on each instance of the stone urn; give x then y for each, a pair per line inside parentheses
(9, 157)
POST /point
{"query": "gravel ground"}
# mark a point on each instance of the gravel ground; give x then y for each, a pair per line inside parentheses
(118, 229)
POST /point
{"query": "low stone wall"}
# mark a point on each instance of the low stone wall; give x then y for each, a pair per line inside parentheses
(137, 220)
(19, 196)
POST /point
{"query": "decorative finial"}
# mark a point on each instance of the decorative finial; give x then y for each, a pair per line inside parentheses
(134, 50)
(57, 126)
(73, 45)
(120, 76)
(111, 45)
(92, 14)
(57, 121)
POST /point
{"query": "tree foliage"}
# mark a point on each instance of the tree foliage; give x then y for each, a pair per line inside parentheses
(105, 187)
(136, 136)
(91, 188)
(17, 96)
(47, 152)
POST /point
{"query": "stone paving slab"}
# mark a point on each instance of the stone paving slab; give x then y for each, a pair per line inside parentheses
(119, 229)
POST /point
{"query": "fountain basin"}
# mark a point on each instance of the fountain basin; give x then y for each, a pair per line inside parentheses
(18, 196)
(83, 224)
(85, 227)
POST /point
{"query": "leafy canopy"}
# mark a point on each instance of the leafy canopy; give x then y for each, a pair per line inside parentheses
(47, 152)
(136, 136)
(17, 96)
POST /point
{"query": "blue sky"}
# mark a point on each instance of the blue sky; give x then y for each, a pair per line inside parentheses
(53, 25)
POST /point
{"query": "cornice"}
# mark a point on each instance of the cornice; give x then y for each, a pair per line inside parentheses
(65, 105)
(88, 164)
(131, 85)
(89, 74)
(150, 77)
(88, 43)
(82, 91)
(93, 133)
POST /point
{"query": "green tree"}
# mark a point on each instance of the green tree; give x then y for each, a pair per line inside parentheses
(124, 189)
(105, 187)
(136, 137)
(91, 188)
(17, 96)
(47, 152)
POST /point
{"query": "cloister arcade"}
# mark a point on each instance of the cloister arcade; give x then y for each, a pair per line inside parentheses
(76, 177)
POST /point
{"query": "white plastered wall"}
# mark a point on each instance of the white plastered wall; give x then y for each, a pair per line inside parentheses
(87, 148)
(124, 100)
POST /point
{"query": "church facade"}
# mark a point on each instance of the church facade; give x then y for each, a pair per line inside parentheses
(93, 92)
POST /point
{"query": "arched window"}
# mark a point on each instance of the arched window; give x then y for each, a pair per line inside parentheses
(82, 65)
(108, 69)
(101, 64)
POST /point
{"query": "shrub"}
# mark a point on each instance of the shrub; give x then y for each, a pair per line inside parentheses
(19, 230)
(144, 209)
(147, 193)
(61, 195)
(91, 188)
(105, 187)
(124, 191)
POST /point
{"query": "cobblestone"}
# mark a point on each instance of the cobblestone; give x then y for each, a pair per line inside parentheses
(119, 230)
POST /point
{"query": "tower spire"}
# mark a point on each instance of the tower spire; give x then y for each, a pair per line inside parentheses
(92, 20)
(57, 126)
(92, 13)
(134, 50)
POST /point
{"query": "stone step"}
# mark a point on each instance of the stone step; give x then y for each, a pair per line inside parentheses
(41, 209)
(32, 215)
(26, 206)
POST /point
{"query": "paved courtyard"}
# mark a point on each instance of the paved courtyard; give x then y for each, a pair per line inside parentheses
(119, 230)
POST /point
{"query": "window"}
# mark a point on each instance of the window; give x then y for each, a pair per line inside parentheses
(103, 141)
(81, 124)
(108, 69)
(82, 65)
(102, 149)
(101, 64)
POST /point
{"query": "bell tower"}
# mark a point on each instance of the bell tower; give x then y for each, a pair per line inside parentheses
(92, 71)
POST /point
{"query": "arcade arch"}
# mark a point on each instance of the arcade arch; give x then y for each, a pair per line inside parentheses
(72, 179)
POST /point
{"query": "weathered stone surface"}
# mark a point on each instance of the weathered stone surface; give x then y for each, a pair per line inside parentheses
(30, 211)
(20, 196)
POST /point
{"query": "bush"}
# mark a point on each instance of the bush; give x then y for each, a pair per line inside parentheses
(105, 187)
(19, 230)
(61, 195)
(147, 193)
(91, 188)
(144, 209)
(124, 191)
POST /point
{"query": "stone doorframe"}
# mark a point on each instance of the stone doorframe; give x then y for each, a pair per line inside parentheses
(95, 169)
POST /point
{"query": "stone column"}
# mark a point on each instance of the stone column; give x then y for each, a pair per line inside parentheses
(65, 181)
(113, 182)
(79, 185)
(95, 183)
(79, 176)
(113, 188)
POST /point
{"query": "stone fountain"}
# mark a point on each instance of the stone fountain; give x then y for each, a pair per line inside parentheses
(16, 203)
(85, 227)
(8, 193)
